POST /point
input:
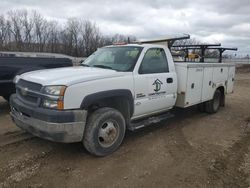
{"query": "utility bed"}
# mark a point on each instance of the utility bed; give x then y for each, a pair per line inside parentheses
(198, 81)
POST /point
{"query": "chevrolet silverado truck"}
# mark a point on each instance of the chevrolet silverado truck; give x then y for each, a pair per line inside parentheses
(117, 88)
(12, 66)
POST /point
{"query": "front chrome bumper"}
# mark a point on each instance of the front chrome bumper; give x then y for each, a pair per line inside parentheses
(68, 130)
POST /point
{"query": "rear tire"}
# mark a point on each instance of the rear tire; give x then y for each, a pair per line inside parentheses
(201, 107)
(104, 131)
(213, 105)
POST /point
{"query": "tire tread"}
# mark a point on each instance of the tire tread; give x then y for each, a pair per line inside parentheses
(92, 123)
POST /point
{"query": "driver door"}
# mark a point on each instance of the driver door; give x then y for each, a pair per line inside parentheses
(155, 86)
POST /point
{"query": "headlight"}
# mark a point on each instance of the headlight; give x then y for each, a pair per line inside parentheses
(54, 97)
(49, 103)
(54, 90)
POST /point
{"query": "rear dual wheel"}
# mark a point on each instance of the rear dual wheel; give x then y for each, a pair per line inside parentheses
(213, 105)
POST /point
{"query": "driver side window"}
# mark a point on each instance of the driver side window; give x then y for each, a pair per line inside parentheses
(154, 61)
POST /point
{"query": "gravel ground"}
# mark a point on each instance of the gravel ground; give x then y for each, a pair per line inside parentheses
(191, 150)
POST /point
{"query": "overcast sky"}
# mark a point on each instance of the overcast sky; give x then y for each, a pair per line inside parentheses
(224, 21)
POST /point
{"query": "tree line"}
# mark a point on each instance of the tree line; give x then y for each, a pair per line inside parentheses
(29, 31)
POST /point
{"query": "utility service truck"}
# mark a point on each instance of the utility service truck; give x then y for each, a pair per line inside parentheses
(117, 88)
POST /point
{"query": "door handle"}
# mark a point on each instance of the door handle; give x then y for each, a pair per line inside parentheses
(169, 80)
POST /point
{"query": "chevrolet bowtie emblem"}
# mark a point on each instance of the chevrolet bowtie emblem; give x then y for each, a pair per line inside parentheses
(24, 91)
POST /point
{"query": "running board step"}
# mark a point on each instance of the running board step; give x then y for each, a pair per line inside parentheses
(148, 121)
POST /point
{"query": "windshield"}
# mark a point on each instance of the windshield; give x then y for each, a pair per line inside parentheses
(121, 58)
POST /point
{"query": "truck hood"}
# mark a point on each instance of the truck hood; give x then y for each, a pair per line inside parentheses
(69, 76)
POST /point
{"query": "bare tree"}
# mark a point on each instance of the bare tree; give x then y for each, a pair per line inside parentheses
(28, 24)
(16, 27)
(3, 32)
(40, 30)
(73, 29)
(30, 31)
(53, 37)
(87, 31)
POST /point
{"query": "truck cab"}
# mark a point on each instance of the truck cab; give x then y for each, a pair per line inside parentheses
(115, 89)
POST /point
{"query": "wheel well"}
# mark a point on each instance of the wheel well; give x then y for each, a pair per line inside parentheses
(119, 103)
(222, 91)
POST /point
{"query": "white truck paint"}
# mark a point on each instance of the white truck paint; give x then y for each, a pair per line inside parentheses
(95, 105)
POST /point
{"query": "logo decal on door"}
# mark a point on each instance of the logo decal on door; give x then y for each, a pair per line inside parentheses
(157, 83)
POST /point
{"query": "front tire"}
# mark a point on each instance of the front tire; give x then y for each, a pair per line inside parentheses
(104, 131)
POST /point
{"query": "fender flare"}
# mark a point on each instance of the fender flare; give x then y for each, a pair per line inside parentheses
(90, 99)
(221, 86)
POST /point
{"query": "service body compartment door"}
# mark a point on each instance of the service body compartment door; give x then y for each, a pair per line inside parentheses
(194, 86)
(220, 74)
(230, 80)
(207, 88)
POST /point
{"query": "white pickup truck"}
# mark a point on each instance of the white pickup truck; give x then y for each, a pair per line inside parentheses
(118, 87)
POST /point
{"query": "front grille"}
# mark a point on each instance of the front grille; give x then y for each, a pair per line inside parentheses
(26, 91)
(27, 97)
(30, 85)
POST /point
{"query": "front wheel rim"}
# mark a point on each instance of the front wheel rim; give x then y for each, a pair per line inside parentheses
(108, 133)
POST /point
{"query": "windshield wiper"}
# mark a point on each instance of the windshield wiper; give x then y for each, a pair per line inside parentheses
(103, 66)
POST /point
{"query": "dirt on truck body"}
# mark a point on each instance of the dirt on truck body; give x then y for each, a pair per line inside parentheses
(192, 150)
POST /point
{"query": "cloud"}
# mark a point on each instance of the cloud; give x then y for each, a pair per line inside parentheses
(224, 21)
